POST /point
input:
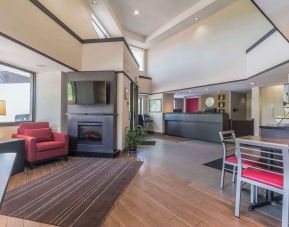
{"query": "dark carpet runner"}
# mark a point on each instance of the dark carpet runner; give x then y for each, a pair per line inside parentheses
(80, 194)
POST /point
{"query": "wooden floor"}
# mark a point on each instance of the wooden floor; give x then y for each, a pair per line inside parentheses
(155, 198)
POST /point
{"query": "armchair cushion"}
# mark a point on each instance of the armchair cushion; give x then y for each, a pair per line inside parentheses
(50, 145)
(41, 134)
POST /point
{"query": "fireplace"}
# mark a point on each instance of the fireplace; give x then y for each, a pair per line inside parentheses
(92, 135)
(90, 132)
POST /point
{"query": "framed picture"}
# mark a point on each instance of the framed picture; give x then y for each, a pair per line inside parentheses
(221, 104)
(222, 97)
(155, 105)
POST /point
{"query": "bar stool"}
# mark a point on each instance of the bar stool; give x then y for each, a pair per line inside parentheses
(271, 171)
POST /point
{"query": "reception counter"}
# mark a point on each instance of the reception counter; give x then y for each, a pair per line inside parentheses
(201, 126)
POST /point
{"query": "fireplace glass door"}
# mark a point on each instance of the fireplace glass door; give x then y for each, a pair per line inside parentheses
(90, 132)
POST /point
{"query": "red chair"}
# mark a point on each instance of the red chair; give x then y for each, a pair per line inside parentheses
(41, 143)
(270, 173)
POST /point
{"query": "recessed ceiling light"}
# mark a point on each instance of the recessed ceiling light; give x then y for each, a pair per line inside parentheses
(136, 12)
(41, 66)
(94, 2)
(252, 83)
(196, 18)
(190, 91)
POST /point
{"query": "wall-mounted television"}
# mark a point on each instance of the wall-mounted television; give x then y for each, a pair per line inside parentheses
(88, 92)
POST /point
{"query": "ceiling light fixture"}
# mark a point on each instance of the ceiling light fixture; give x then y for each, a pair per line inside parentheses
(136, 12)
(41, 65)
(196, 18)
(190, 91)
(94, 2)
(252, 83)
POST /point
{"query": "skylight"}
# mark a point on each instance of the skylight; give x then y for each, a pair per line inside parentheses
(99, 29)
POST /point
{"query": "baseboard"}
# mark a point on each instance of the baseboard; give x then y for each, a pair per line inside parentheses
(156, 133)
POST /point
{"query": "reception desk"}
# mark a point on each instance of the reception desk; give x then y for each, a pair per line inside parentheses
(201, 126)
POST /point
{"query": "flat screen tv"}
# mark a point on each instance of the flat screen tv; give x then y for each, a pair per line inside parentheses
(88, 92)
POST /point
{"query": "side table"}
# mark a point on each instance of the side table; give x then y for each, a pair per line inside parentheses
(15, 146)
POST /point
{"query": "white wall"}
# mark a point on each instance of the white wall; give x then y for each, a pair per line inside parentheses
(51, 102)
(158, 118)
(271, 52)
(26, 23)
(213, 50)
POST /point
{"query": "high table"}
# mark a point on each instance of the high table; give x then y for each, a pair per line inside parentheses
(283, 141)
(6, 165)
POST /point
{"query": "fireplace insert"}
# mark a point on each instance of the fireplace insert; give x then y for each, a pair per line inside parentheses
(90, 132)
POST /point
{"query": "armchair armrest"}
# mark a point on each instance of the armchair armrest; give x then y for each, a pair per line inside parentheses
(30, 146)
(62, 137)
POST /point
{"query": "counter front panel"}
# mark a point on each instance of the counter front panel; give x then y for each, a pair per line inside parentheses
(196, 125)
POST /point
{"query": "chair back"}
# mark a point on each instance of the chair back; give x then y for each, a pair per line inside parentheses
(265, 156)
(228, 142)
(32, 125)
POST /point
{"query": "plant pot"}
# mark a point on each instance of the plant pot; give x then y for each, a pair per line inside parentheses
(132, 148)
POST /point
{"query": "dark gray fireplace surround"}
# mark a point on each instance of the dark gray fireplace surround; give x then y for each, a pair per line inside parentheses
(92, 128)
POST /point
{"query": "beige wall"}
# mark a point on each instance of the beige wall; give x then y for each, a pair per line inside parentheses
(7, 131)
(102, 56)
(145, 103)
(145, 86)
(215, 97)
(271, 103)
(212, 51)
(122, 110)
(26, 23)
(249, 105)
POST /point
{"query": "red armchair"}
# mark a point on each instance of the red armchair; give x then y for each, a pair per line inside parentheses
(41, 143)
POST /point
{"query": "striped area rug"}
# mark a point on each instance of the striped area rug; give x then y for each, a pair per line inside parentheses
(80, 194)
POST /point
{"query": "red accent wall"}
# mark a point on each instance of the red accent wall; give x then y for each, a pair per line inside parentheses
(192, 105)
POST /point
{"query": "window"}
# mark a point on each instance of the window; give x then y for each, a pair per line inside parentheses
(99, 29)
(16, 94)
(140, 105)
(139, 55)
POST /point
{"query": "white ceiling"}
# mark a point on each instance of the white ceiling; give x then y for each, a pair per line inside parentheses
(158, 20)
(278, 12)
(276, 76)
(153, 13)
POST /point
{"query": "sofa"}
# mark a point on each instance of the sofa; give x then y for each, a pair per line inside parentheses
(41, 144)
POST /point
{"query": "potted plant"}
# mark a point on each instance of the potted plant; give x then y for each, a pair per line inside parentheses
(134, 137)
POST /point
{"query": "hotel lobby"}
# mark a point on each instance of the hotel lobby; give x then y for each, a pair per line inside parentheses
(144, 113)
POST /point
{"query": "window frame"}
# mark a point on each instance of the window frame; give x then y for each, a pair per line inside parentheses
(32, 95)
(143, 57)
(96, 23)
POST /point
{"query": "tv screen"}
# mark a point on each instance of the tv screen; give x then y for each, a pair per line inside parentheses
(88, 92)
